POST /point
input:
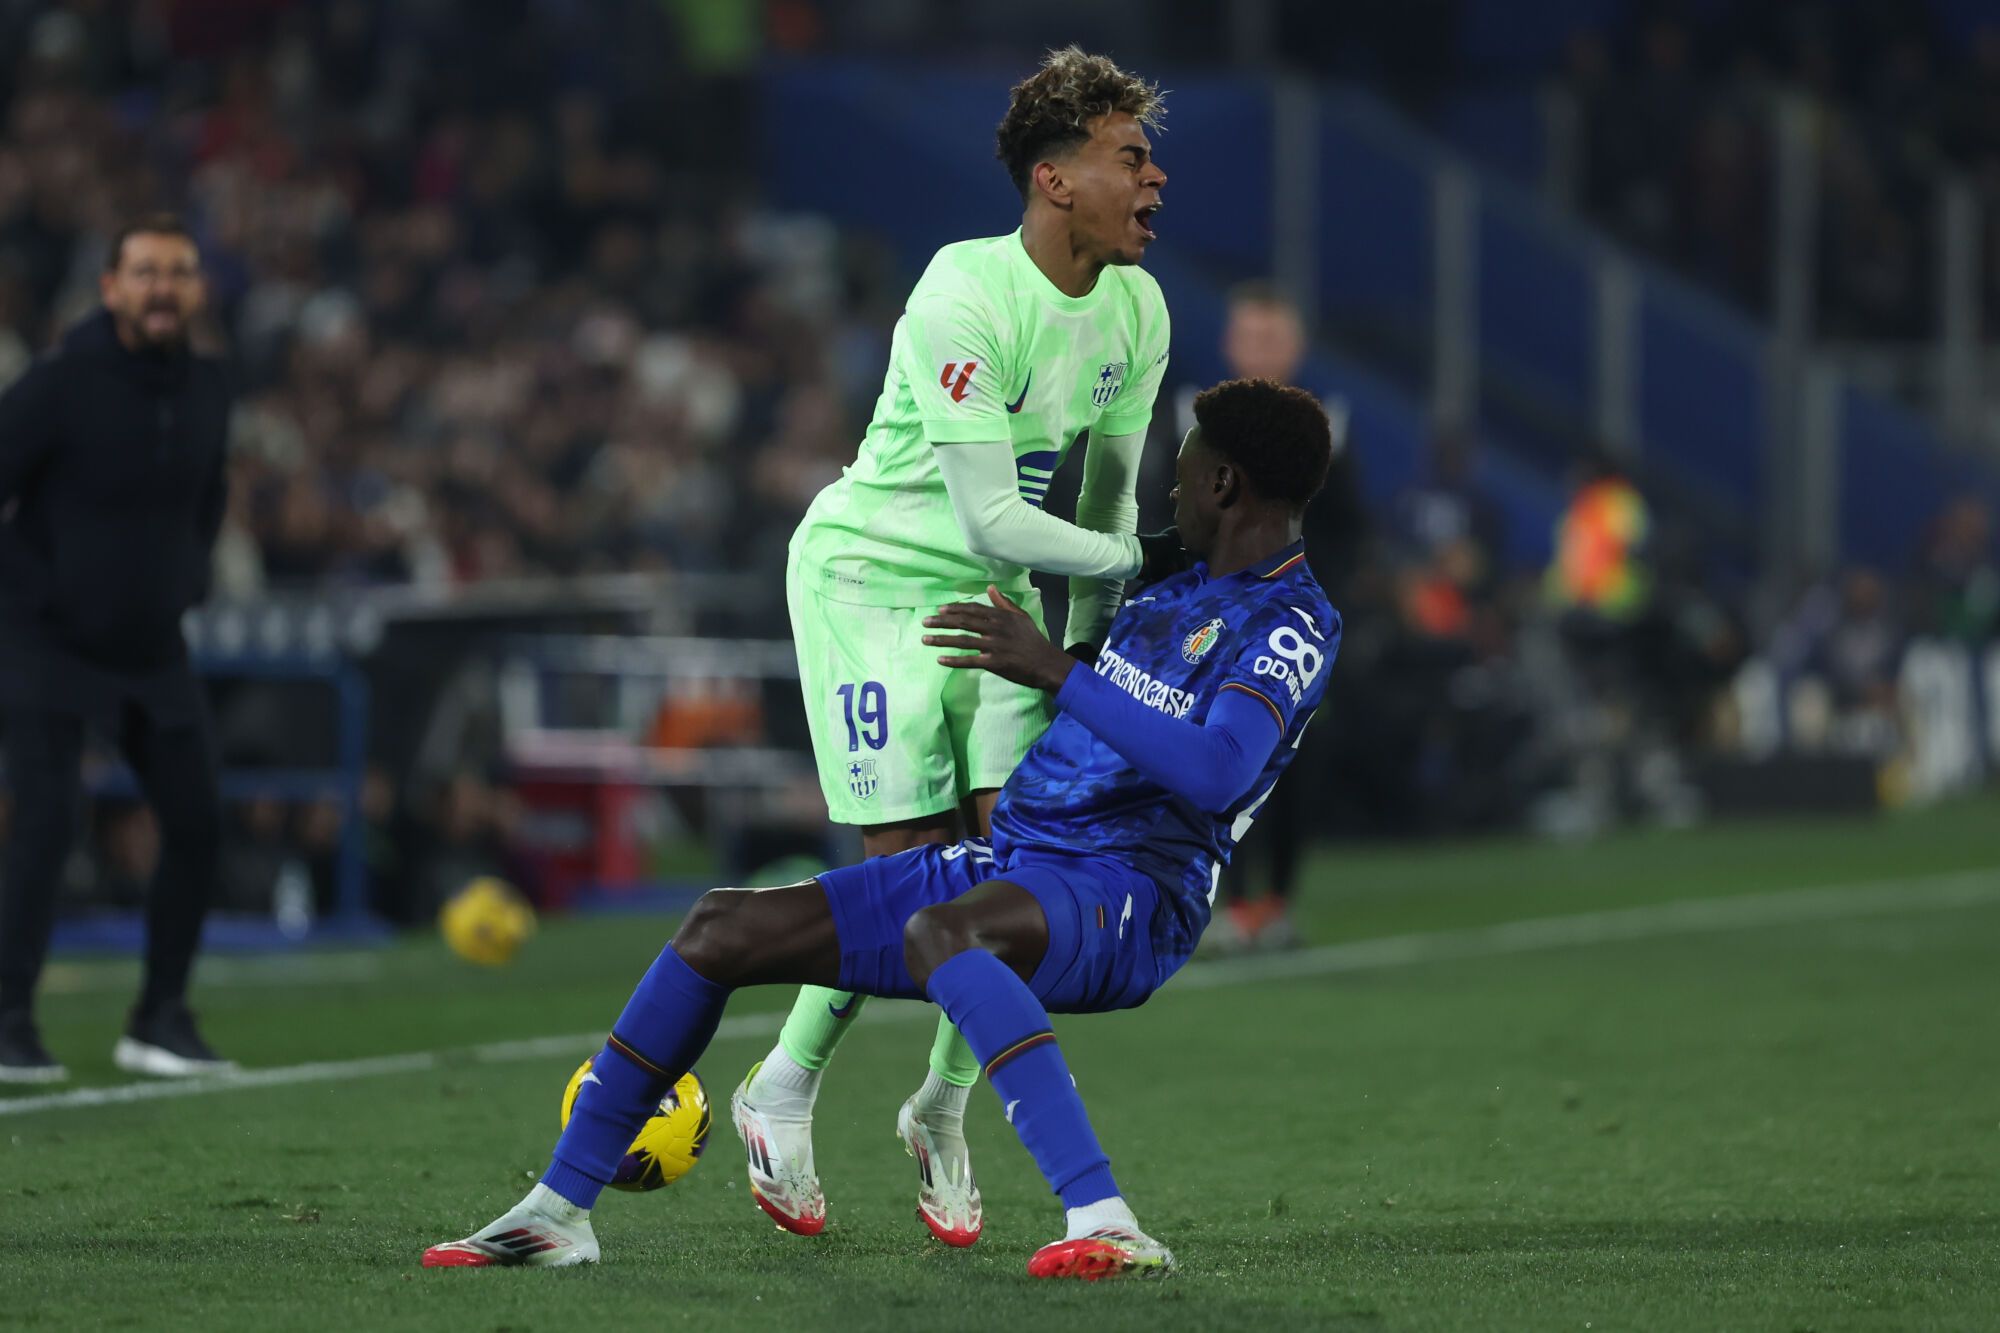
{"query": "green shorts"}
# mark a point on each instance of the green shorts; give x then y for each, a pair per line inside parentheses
(895, 735)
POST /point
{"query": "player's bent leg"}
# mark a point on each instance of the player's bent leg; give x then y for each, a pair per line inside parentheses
(931, 1122)
(732, 938)
(976, 957)
(931, 1125)
(772, 1108)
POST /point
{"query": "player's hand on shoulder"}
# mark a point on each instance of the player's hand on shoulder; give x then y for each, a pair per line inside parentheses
(999, 637)
(1161, 555)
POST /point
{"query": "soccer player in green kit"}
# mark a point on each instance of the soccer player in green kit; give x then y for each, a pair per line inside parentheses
(1009, 350)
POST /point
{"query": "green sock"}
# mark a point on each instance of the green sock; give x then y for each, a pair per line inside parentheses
(951, 1059)
(819, 1019)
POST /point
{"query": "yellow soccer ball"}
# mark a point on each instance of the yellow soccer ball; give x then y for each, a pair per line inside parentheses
(669, 1144)
(487, 921)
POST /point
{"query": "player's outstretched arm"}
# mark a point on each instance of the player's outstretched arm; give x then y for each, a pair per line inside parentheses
(1213, 763)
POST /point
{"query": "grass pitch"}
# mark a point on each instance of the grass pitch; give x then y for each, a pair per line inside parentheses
(1775, 1108)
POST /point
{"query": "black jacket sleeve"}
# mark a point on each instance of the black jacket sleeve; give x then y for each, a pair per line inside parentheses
(27, 428)
(208, 519)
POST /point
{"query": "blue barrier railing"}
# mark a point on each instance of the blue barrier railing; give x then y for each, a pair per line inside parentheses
(341, 782)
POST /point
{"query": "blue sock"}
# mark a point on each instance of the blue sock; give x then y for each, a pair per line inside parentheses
(667, 1023)
(1008, 1030)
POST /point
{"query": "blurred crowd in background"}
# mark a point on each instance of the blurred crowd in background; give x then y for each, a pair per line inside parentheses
(496, 293)
(503, 303)
(1675, 121)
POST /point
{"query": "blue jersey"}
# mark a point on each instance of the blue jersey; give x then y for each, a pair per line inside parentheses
(1267, 631)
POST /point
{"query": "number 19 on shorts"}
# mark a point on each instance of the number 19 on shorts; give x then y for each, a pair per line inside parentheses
(865, 709)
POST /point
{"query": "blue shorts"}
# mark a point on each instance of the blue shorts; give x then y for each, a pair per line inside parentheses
(1100, 914)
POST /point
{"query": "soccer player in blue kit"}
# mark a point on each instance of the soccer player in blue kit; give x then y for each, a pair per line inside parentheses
(1108, 841)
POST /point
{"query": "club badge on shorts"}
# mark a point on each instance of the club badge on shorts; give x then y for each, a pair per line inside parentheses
(1196, 645)
(861, 779)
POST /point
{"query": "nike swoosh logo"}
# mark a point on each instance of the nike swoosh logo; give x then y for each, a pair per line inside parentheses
(591, 1078)
(1015, 406)
(846, 1009)
(1010, 1109)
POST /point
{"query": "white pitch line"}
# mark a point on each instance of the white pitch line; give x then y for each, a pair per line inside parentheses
(576, 1045)
(1687, 916)
(1659, 920)
(287, 969)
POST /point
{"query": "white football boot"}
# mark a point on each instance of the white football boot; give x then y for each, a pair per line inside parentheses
(947, 1196)
(780, 1152)
(544, 1230)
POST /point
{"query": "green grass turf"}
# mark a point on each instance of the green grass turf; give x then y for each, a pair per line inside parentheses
(1789, 1127)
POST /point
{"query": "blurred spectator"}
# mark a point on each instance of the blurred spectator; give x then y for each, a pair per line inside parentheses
(1446, 509)
(1263, 337)
(1957, 593)
(1598, 575)
(1841, 652)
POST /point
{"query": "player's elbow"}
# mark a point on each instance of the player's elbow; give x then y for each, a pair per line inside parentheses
(1217, 787)
(989, 539)
(981, 544)
(1209, 796)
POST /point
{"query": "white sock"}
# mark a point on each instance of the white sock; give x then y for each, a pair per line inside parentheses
(784, 1087)
(940, 1097)
(551, 1204)
(1111, 1212)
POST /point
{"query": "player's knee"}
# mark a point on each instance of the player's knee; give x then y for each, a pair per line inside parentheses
(931, 936)
(713, 937)
(937, 934)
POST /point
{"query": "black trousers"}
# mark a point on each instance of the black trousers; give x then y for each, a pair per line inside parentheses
(176, 769)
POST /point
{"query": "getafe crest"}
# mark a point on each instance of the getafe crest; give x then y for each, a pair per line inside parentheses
(861, 779)
(1110, 379)
(1196, 645)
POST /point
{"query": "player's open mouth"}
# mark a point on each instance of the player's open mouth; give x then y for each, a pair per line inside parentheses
(1144, 217)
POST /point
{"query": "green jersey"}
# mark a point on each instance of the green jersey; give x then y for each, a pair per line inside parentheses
(987, 349)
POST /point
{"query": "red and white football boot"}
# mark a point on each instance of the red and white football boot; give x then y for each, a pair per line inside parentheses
(1104, 1253)
(544, 1230)
(947, 1196)
(780, 1152)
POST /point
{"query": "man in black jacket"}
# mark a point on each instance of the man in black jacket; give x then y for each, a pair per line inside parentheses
(1264, 337)
(111, 494)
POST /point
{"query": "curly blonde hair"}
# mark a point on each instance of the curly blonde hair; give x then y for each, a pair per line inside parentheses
(1051, 109)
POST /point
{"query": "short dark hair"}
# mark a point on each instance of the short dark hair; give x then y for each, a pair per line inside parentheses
(153, 224)
(1277, 434)
(1050, 111)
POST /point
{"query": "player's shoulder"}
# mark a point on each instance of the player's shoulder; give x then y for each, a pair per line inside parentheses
(974, 268)
(1291, 595)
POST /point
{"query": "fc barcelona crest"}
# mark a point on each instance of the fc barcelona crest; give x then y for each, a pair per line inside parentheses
(1196, 645)
(861, 779)
(1110, 379)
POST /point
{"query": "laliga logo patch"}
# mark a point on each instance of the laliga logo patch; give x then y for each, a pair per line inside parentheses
(1196, 645)
(861, 779)
(1110, 379)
